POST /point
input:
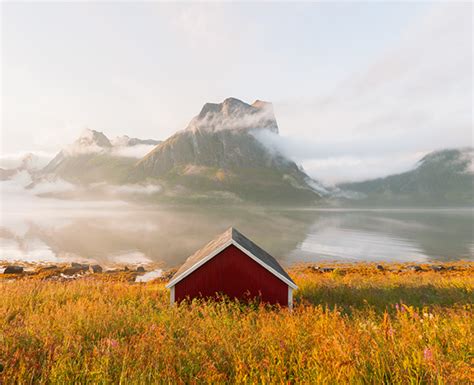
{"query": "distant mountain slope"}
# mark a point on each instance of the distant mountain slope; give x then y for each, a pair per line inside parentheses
(93, 158)
(29, 163)
(217, 155)
(441, 178)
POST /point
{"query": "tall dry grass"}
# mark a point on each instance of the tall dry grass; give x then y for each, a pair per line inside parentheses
(353, 326)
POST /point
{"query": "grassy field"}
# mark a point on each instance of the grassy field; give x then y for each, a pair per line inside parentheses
(354, 325)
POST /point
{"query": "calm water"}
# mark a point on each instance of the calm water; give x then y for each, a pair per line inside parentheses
(35, 229)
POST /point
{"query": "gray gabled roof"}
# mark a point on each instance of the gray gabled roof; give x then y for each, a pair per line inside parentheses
(230, 236)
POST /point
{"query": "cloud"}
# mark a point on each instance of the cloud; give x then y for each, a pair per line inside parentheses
(131, 257)
(137, 151)
(146, 189)
(56, 186)
(18, 184)
(151, 275)
(234, 115)
(30, 250)
(359, 168)
(36, 159)
(414, 99)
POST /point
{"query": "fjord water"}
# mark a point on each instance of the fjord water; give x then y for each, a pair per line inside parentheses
(389, 234)
(115, 232)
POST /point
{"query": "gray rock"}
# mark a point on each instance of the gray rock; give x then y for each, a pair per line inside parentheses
(322, 269)
(414, 268)
(49, 267)
(141, 269)
(73, 270)
(95, 269)
(380, 267)
(437, 267)
(80, 265)
(13, 270)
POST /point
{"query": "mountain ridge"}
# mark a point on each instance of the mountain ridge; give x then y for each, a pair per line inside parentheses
(441, 177)
(218, 157)
(93, 157)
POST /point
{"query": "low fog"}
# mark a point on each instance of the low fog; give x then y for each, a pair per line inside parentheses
(114, 232)
(414, 99)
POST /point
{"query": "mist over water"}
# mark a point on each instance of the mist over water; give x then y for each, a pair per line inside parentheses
(389, 234)
(116, 232)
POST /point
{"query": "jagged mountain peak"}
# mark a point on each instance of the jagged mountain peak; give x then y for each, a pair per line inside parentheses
(262, 104)
(234, 114)
(219, 152)
(29, 162)
(90, 137)
(94, 158)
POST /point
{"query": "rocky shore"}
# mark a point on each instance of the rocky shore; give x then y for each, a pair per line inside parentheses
(75, 270)
(139, 273)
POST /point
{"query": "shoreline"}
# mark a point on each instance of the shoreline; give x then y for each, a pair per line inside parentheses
(156, 272)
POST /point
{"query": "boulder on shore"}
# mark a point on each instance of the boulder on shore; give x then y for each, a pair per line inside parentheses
(414, 268)
(73, 270)
(322, 269)
(47, 268)
(95, 269)
(13, 269)
(82, 266)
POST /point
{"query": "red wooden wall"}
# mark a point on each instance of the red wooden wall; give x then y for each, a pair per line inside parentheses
(235, 274)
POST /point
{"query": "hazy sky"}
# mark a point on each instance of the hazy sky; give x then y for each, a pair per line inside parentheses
(359, 89)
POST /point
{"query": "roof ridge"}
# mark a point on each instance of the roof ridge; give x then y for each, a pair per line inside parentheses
(229, 236)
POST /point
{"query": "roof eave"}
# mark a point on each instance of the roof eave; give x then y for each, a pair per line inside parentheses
(175, 280)
(198, 264)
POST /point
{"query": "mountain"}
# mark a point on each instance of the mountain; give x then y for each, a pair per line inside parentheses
(6, 174)
(217, 155)
(93, 158)
(30, 163)
(441, 178)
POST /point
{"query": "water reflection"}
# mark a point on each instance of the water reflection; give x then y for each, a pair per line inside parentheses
(117, 232)
(424, 234)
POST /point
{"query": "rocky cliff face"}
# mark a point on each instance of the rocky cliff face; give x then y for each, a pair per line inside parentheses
(220, 136)
(233, 114)
(219, 141)
(93, 158)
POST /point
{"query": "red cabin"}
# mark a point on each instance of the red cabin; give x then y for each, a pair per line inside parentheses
(233, 265)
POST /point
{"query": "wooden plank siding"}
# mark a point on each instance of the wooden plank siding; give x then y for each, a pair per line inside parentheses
(233, 273)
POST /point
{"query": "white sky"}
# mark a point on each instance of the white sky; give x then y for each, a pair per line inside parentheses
(359, 89)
